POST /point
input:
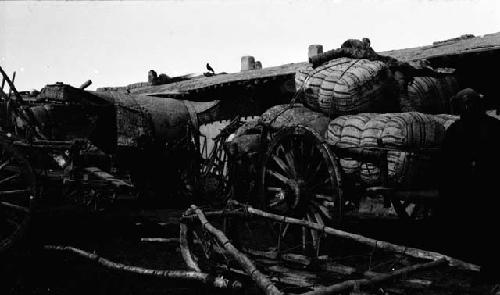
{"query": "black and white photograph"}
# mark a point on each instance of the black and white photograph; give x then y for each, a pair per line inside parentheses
(250, 147)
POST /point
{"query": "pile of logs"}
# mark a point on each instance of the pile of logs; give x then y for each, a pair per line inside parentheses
(195, 219)
(212, 257)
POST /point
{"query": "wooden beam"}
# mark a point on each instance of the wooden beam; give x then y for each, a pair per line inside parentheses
(217, 282)
(248, 266)
(351, 284)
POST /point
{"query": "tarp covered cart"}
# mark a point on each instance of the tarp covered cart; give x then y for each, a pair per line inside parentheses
(94, 148)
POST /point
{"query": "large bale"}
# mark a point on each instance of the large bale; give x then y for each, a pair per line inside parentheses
(404, 131)
(348, 86)
(348, 130)
(445, 119)
(429, 95)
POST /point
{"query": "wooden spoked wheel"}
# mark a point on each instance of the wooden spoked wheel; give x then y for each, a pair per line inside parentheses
(300, 178)
(17, 183)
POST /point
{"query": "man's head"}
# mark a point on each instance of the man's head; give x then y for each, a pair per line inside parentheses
(467, 103)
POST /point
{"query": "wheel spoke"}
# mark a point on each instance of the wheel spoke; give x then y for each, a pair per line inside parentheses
(4, 164)
(14, 192)
(316, 170)
(314, 234)
(276, 201)
(316, 214)
(5, 180)
(14, 206)
(281, 164)
(285, 231)
(280, 150)
(323, 209)
(15, 197)
(274, 189)
(278, 176)
(291, 163)
(304, 238)
(319, 184)
(324, 197)
(297, 156)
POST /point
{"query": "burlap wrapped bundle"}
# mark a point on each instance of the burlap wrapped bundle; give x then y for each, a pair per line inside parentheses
(347, 130)
(429, 95)
(401, 131)
(348, 86)
(445, 119)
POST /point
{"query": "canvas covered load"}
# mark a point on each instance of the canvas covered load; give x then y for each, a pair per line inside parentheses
(348, 86)
(404, 132)
(247, 138)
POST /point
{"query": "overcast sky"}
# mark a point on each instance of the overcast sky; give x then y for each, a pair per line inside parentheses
(116, 43)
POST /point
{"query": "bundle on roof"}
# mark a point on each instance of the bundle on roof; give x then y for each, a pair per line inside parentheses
(404, 131)
(348, 86)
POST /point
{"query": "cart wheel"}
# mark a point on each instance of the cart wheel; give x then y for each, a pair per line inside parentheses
(300, 177)
(17, 183)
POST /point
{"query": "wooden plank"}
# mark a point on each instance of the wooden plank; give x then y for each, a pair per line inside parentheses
(108, 178)
(352, 284)
(409, 251)
(217, 282)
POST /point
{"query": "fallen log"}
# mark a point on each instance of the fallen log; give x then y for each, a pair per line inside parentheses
(413, 252)
(117, 183)
(160, 240)
(217, 282)
(352, 284)
(263, 282)
(184, 247)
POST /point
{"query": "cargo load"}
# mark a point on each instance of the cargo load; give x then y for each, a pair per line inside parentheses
(400, 133)
(430, 95)
(348, 86)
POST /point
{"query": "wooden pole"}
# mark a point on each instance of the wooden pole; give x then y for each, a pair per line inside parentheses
(217, 282)
(184, 247)
(351, 284)
(11, 84)
(413, 252)
(247, 265)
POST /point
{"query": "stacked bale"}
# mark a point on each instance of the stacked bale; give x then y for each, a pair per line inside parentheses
(348, 86)
(446, 119)
(429, 95)
(348, 131)
(403, 131)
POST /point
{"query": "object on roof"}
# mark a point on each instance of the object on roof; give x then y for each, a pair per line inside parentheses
(434, 54)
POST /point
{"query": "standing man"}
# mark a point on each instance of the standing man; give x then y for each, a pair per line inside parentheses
(470, 200)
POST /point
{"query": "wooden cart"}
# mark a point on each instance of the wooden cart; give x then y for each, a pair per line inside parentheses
(300, 176)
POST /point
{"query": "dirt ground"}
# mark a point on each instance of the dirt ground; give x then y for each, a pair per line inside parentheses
(116, 234)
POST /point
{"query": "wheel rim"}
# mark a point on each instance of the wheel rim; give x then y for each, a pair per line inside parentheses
(300, 178)
(16, 195)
